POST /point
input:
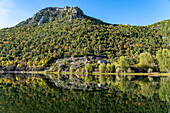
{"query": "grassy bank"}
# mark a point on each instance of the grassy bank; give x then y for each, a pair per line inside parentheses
(93, 73)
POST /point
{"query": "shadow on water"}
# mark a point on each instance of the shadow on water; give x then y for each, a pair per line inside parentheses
(83, 93)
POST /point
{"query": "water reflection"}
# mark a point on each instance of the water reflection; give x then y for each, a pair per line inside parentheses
(164, 91)
(79, 93)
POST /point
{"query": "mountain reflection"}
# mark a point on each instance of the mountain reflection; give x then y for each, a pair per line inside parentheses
(83, 93)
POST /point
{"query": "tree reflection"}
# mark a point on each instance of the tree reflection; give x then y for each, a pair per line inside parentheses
(126, 85)
(102, 79)
(88, 79)
(110, 80)
(33, 94)
(147, 89)
(164, 91)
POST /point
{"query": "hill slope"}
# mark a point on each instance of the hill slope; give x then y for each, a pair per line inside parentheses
(54, 33)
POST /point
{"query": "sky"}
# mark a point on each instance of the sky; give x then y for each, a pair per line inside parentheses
(133, 12)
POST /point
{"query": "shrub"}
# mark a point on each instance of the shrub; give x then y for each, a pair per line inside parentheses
(145, 61)
(88, 67)
(108, 67)
(129, 70)
(124, 63)
(163, 57)
(112, 70)
(102, 67)
(150, 70)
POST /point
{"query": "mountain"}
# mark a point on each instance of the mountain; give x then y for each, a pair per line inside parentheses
(50, 14)
(54, 33)
(163, 27)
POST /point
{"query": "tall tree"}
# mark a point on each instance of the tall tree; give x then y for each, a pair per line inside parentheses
(124, 63)
(88, 67)
(163, 57)
(145, 60)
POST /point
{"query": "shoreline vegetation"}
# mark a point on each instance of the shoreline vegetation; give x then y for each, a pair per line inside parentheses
(85, 73)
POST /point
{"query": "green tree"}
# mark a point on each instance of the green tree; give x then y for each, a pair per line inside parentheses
(112, 69)
(163, 58)
(145, 60)
(88, 67)
(150, 70)
(102, 67)
(108, 67)
(124, 62)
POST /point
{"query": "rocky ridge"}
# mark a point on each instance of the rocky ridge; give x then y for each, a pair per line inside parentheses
(50, 14)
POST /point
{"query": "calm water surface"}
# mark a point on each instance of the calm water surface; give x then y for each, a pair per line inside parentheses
(89, 94)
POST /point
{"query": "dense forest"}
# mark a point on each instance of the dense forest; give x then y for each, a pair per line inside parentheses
(55, 33)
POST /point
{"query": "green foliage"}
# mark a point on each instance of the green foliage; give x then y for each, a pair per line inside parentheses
(110, 67)
(88, 67)
(150, 70)
(164, 91)
(102, 67)
(118, 70)
(33, 94)
(102, 79)
(126, 85)
(88, 79)
(163, 57)
(124, 62)
(40, 45)
(146, 60)
(147, 89)
(163, 28)
(129, 70)
(110, 80)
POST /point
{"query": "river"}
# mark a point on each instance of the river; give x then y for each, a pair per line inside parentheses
(31, 93)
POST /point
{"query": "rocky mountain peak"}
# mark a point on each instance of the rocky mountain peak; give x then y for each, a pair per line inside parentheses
(50, 14)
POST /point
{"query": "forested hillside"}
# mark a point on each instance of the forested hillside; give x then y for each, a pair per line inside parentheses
(55, 33)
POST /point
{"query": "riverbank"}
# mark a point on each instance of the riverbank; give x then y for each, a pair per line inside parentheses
(128, 74)
(84, 73)
(24, 72)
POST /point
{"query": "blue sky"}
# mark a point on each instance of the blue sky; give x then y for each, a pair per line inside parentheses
(133, 12)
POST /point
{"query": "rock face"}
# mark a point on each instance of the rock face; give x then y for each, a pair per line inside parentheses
(61, 16)
(42, 20)
(35, 18)
(53, 13)
(51, 19)
(76, 13)
(66, 8)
